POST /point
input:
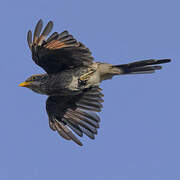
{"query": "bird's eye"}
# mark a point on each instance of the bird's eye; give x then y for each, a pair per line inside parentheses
(33, 78)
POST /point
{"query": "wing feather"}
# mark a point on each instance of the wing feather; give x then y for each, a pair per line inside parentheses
(37, 31)
(29, 39)
(74, 127)
(59, 52)
(61, 131)
(67, 113)
(69, 135)
(45, 33)
(52, 37)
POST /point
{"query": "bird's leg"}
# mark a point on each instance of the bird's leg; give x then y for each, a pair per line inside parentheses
(85, 77)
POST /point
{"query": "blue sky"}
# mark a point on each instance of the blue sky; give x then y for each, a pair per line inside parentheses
(139, 132)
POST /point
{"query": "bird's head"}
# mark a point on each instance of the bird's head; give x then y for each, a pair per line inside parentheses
(36, 83)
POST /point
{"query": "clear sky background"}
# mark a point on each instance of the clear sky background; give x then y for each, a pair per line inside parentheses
(139, 136)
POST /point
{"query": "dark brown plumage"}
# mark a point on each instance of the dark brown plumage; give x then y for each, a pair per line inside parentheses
(72, 80)
(63, 50)
(69, 110)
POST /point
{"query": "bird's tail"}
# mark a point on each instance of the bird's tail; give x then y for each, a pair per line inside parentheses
(140, 67)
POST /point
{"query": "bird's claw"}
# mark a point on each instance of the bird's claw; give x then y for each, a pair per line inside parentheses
(86, 76)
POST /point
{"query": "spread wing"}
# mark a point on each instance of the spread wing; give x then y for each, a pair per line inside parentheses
(75, 113)
(59, 51)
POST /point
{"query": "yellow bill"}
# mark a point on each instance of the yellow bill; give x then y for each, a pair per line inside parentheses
(25, 84)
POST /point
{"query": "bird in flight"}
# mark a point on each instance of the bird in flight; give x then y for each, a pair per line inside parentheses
(72, 80)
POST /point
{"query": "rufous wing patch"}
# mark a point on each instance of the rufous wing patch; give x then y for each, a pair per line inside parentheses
(56, 44)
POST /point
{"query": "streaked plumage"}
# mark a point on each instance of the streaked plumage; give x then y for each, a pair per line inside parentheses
(72, 80)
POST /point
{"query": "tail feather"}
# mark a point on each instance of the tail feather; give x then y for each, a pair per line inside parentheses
(141, 67)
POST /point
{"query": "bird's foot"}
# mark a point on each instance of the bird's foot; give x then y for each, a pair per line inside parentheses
(81, 82)
(86, 76)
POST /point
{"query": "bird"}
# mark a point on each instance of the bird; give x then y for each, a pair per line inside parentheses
(72, 80)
